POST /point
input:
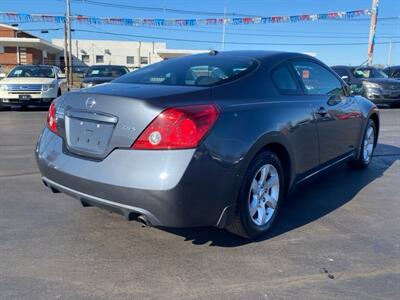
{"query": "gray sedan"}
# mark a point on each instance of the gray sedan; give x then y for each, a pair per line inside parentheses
(213, 139)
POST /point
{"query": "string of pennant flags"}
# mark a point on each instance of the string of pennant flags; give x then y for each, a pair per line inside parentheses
(159, 22)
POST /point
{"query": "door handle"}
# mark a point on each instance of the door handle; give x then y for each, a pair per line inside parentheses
(321, 112)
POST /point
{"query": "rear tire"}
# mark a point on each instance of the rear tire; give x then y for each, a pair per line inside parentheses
(260, 197)
(367, 147)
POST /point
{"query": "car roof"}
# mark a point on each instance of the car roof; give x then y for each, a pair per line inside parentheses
(256, 54)
(95, 66)
(32, 65)
(392, 68)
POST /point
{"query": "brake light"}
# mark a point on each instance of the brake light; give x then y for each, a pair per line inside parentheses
(178, 128)
(51, 118)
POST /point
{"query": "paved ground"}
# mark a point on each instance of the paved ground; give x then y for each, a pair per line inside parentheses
(338, 238)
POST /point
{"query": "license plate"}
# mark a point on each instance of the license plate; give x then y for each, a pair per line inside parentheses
(88, 136)
(24, 97)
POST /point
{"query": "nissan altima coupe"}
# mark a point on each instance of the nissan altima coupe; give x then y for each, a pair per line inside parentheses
(215, 139)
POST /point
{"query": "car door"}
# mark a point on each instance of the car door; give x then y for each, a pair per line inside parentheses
(336, 113)
(299, 127)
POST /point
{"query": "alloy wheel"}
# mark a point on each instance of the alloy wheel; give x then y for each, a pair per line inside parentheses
(264, 195)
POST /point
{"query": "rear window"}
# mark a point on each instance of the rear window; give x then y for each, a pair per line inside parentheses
(368, 73)
(198, 70)
(106, 71)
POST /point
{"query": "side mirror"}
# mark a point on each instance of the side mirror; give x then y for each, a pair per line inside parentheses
(61, 76)
(3, 75)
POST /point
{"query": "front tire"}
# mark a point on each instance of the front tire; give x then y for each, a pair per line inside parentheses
(259, 197)
(367, 147)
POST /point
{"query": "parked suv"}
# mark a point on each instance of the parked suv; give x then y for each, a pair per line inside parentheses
(372, 83)
(32, 85)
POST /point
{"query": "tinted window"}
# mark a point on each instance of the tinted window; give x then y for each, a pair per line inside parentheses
(396, 74)
(198, 70)
(284, 81)
(317, 79)
(369, 73)
(33, 71)
(106, 71)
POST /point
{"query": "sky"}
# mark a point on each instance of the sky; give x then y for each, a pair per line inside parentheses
(336, 33)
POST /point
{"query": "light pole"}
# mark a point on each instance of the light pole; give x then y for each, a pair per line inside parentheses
(68, 26)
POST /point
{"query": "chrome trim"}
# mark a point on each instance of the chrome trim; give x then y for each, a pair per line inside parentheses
(326, 167)
(24, 87)
(79, 195)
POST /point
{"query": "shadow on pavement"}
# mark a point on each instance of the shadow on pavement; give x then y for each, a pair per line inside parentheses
(308, 203)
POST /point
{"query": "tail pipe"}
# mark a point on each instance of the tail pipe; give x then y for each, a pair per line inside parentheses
(143, 220)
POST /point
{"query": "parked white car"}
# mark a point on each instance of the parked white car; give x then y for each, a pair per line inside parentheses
(32, 85)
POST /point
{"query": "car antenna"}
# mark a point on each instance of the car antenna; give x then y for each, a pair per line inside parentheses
(363, 63)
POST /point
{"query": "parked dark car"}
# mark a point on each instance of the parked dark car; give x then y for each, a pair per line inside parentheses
(372, 83)
(393, 72)
(211, 139)
(102, 74)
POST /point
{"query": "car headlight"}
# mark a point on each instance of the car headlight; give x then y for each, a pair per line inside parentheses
(372, 85)
(46, 87)
(87, 84)
(4, 87)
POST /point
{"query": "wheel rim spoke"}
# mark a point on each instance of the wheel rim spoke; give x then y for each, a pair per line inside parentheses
(261, 214)
(264, 172)
(254, 186)
(272, 181)
(253, 206)
(270, 202)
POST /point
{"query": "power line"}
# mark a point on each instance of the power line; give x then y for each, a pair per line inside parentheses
(228, 42)
(156, 9)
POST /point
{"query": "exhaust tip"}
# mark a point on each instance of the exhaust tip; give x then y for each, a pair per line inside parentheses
(144, 221)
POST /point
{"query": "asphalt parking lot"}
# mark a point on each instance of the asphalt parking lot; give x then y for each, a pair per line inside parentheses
(338, 238)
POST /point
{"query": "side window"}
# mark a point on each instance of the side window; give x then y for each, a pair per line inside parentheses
(317, 79)
(285, 82)
(396, 74)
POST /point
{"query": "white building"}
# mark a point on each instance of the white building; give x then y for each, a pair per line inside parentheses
(128, 53)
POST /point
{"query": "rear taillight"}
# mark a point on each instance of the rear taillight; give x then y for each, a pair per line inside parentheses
(178, 128)
(51, 118)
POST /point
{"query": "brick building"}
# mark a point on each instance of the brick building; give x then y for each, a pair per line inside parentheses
(19, 47)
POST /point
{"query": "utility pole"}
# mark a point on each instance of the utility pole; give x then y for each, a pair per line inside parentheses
(68, 22)
(66, 63)
(223, 30)
(390, 53)
(372, 29)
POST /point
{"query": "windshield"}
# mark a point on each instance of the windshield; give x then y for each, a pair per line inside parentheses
(32, 71)
(106, 71)
(197, 70)
(369, 73)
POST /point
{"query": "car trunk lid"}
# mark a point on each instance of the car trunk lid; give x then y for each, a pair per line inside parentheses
(95, 121)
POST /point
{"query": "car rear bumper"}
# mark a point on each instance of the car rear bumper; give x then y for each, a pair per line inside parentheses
(170, 188)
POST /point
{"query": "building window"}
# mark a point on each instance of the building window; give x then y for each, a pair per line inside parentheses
(99, 59)
(130, 60)
(85, 58)
(1, 50)
(144, 60)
